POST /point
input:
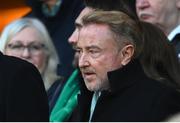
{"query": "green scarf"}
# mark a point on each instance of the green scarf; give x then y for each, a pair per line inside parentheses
(67, 100)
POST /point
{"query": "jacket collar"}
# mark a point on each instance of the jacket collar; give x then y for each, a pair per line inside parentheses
(126, 76)
(121, 78)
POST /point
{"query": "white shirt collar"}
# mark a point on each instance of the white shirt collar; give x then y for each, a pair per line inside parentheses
(173, 33)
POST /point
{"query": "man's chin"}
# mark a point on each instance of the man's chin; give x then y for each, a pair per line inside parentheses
(92, 89)
(90, 86)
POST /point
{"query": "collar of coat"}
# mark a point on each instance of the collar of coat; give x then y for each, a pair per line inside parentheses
(121, 78)
(126, 76)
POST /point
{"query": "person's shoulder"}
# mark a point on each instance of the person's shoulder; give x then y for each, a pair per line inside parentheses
(165, 90)
(161, 85)
(14, 62)
(166, 98)
(162, 89)
(12, 66)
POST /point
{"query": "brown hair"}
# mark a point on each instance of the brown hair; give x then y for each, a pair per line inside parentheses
(124, 28)
(158, 57)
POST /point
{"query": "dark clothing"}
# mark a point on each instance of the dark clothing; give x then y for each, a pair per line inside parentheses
(60, 28)
(132, 97)
(52, 89)
(22, 93)
(176, 43)
(53, 93)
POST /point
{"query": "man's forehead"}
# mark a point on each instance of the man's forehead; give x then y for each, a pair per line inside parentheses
(95, 34)
(84, 12)
(95, 29)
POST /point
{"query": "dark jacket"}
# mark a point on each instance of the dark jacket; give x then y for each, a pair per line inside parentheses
(60, 27)
(133, 97)
(176, 42)
(22, 93)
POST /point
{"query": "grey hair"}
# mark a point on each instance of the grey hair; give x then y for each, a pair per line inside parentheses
(50, 73)
(124, 28)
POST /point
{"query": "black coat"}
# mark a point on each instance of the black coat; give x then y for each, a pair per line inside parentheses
(176, 42)
(133, 97)
(22, 93)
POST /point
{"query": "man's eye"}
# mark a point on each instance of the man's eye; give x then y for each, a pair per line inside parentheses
(94, 53)
(77, 50)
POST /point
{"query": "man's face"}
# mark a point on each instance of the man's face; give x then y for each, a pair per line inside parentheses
(159, 12)
(98, 54)
(78, 23)
(75, 35)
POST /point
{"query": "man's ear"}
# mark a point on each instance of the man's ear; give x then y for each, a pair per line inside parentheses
(127, 52)
(178, 4)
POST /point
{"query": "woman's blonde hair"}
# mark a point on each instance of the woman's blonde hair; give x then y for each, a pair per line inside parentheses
(49, 75)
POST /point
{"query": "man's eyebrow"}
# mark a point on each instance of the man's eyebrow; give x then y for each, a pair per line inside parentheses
(92, 47)
(78, 25)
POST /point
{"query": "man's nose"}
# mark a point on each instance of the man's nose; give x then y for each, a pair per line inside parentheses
(142, 4)
(83, 61)
(74, 37)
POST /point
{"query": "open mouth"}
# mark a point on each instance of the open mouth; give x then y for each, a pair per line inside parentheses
(144, 16)
(88, 75)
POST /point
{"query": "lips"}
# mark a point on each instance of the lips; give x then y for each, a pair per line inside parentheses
(144, 17)
(88, 74)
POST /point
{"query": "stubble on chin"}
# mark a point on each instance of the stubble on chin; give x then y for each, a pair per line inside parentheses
(97, 85)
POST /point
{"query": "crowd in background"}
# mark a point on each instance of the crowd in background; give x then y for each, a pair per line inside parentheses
(99, 60)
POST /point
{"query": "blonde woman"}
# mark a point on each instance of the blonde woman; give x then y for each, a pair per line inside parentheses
(28, 39)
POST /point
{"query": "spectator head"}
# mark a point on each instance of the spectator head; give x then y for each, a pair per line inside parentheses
(78, 24)
(28, 39)
(163, 13)
(106, 5)
(91, 5)
(49, 3)
(107, 41)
